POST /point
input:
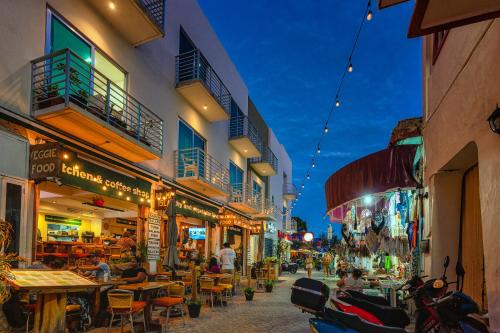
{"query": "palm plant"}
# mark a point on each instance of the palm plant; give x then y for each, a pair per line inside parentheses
(6, 260)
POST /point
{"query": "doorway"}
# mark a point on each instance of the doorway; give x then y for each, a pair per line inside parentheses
(471, 251)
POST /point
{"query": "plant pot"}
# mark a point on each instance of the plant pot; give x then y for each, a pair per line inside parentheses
(249, 296)
(194, 310)
(53, 100)
(269, 288)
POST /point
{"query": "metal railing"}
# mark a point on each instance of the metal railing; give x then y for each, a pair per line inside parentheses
(289, 189)
(155, 9)
(245, 194)
(267, 157)
(193, 65)
(268, 208)
(194, 162)
(63, 77)
(240, 126)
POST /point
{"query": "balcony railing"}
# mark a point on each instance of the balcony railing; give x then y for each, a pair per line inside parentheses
(289, 190)
(240, 126)
(155, 9)
(63, 78)
(193, 65)
(267, 157)
(245, 195)
(196, 163)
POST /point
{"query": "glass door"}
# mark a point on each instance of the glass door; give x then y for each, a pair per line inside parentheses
(12, 210)
(191, 152)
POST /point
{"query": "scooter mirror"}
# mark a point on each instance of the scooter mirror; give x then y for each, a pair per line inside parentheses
(446, 261)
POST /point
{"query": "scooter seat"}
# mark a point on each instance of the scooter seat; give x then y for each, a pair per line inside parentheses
(350, 321)
(372, 299)
(389, 316)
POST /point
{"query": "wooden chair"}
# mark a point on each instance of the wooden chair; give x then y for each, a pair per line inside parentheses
(227, 283)
(260, 278)
(189, 165)
(174, 299)
(114, 252)
(121, 303)
(209, 289)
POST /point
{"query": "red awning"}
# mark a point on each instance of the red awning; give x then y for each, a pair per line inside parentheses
(384, 170)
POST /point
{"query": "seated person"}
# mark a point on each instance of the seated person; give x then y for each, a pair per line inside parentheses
(353, 282)
(134, 274)
(125, 242)
(213, 266)
(98, 267)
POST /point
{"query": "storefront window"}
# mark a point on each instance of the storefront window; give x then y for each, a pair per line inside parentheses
(13, 202)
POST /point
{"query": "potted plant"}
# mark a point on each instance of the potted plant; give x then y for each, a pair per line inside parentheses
(194, 305)
(249, 293)
(48, 95)
(194, 308)
(269, 286)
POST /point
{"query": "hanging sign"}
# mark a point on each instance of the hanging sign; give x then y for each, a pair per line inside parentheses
(188, 207)
(45, 160)
(154, 227)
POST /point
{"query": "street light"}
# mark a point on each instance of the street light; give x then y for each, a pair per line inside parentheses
(494, 121)
(308, 237)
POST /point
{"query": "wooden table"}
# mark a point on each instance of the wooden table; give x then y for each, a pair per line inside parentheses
(51, 288)
(144, 288)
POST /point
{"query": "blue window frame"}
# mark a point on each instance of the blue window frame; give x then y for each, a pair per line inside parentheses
(235, 176)
(191, 149)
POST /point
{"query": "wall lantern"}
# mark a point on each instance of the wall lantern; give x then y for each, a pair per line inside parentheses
(494, 120)
(308, 237)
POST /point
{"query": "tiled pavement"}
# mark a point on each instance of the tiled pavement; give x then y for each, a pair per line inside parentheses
(268, 312)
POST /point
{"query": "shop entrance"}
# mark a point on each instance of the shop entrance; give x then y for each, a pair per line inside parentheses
(471, 239)
(70, 218)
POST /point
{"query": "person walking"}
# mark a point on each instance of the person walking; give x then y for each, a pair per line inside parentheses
(325, 263)
(227, 256)
(309, 265)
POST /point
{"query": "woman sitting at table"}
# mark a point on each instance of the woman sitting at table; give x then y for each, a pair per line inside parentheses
(213, 266)
(134, 274)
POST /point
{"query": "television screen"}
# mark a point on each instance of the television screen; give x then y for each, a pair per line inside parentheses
(197, 233)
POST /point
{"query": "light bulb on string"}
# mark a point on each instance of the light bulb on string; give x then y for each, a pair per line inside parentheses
(308, 176)
(369, 15)
(350, 68)
(303, 186)
(326, 129)
(318, 150)
(313, 164)
(337, 101)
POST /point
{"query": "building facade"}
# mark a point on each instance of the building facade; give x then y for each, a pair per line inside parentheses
(462, 157)
(117, 114)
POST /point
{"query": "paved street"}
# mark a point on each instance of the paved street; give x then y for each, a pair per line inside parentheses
(266, 313)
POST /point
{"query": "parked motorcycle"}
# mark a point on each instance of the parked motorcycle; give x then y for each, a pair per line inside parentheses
(289, 267)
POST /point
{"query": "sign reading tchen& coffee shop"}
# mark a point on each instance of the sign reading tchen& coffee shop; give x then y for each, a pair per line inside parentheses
(50, 160)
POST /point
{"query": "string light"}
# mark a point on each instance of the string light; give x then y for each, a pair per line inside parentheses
(367, 16)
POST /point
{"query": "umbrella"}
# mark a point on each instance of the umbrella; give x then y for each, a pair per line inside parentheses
(171, 256)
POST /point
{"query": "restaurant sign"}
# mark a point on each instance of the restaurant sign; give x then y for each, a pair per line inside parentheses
(154, 227)
(50, 160)
(188, 207)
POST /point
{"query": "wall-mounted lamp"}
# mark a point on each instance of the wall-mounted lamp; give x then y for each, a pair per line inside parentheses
(494, 121)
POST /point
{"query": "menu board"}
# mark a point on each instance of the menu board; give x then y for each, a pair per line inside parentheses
(33, 279)
(154, 227)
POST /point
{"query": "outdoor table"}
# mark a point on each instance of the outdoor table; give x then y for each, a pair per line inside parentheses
(216, 277)
(145, 288)
(392, 286)
(51, 288)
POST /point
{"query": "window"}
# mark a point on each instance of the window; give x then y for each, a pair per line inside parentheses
(61, 36)
(235, 176)
(191, 151)
(185, 43)
(437, 43)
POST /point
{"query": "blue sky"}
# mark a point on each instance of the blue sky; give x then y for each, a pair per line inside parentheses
(291, 54)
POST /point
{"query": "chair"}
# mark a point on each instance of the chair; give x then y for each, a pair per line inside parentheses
(209, 289)
(227, 283)
(121, 303)
(115, 252)
(174, 299)
(189, 165)
(260, 278)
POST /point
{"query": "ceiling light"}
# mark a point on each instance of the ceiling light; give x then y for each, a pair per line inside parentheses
(112, 6)
(65, 156)
(120, 193)
(128, 198)
(76, 167)
(104, 188)
(205, 107)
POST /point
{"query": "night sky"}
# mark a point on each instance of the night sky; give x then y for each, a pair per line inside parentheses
(291, 54)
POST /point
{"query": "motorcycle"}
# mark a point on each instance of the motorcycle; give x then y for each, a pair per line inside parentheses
(289, 267)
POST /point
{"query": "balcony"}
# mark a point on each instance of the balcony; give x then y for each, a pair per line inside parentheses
(289, 191)
(267, 212)
(265, 165)
(139, 21)
(244, 137)
(70, 95)
(199, 171)
(200, 85)
(245, 199)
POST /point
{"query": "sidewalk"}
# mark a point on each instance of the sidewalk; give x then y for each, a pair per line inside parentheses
(268, 312)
